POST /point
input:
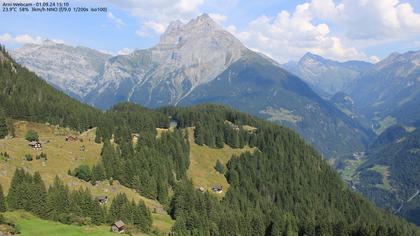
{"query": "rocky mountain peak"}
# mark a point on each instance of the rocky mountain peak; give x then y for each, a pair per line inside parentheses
(411, 60)
(49, 42)
(310, 58)
(73, 69)
(200, 28)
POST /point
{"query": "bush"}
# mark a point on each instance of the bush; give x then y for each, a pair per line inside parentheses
(220, 167)
(29, 157)
(83, 172)
(31, 135)
(41, 156)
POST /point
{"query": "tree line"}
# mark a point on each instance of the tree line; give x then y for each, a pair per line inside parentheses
(59, 203)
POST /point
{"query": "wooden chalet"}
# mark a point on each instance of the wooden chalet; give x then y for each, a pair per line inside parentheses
(102, 199)
(118, 227)
(35, 145)
(217, 189)
(71, 138)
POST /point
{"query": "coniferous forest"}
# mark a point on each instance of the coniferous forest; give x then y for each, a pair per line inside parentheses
(283, 188)
(28, 192)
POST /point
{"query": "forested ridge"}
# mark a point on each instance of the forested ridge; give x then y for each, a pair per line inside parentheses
(283, 188)
(24, 96)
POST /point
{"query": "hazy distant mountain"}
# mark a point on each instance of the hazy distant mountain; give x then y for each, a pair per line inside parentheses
(389, 93)
(200, 62)
(75, 70)
(326, 77)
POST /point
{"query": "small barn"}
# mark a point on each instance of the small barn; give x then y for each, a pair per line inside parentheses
(217, 189)
(71, 138)
(102, 199)
(235, 128)
(118, 227)
(135, 137)
(35, 145)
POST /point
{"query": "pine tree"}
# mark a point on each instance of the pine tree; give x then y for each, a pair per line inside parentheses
(162, 192)
(235, 140)
(143, 217)
(3, 207)
(199, 134)
(39, 196)
(219, 139)
(97, 136)
(58, 201)
(98, 173)
(3, 125)
(15, 190)
(116, 208)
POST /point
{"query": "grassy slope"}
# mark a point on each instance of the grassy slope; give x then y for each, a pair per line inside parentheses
(31, 226)
(384, 171)
(63, 156)
(350, 172)
(203, 159)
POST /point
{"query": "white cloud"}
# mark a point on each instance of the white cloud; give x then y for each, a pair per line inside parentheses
(154, 16)
(219, 18)
(155, 26)
(5, 38)
(21, 39)
(357, 24)
(288, 36)
(58, 41)
(125, 51)
(117, 21)
(106, 51)
(142, 33)
(369, 19)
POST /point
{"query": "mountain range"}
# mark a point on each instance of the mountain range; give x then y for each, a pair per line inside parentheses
(200, 62)
(75, 70)
(389, 93)
(325, 76)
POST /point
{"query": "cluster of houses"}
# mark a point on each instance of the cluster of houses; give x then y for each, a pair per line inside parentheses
(36, 145)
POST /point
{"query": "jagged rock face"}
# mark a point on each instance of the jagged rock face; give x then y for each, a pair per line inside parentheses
(327, 77)
(75, 70)
(186, 56)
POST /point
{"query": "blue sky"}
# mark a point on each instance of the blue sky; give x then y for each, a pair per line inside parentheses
(284, 30)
